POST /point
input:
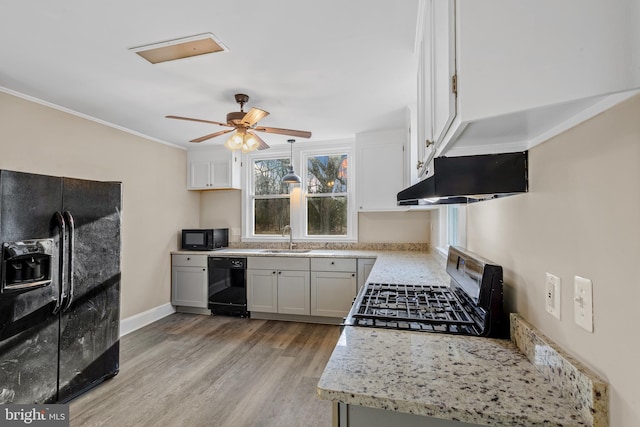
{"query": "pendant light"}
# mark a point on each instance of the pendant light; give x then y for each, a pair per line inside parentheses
(291, 177)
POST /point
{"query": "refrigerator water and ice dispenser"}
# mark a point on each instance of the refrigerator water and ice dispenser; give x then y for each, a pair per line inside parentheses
(26, 265)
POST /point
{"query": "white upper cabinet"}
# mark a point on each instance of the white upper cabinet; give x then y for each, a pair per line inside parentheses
(524, 70)
(380, 169)
(213, 168)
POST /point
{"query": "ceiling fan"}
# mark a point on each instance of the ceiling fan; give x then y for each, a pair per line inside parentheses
(244, 125)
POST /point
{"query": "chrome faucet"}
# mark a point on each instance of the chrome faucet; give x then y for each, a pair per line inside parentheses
(284, 231)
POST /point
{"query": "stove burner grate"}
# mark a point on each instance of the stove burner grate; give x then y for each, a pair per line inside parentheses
(414, 307)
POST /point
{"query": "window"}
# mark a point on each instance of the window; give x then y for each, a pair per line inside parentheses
(327, 196)
(451, 225)
(270, 196)
(322, 207)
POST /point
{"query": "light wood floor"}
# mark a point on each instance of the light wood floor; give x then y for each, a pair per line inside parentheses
(195, 370)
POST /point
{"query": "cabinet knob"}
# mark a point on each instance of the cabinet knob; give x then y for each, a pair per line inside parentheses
(188, 259)
(274, 272)
(353, 274)
(333, 263)
(204, 269)
(279, 272)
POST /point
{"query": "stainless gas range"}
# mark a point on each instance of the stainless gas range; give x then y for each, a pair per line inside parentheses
(471, 305)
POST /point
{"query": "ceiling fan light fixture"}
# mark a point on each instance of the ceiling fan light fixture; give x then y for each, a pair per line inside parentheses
(235, 142)
(249, 143)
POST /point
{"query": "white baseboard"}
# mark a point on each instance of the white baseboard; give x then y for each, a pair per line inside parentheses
(139, 320)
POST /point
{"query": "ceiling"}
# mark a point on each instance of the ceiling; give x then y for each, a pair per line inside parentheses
(332, 67)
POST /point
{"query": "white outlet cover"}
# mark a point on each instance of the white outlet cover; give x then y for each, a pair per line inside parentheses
(583, 303)
(552, 295)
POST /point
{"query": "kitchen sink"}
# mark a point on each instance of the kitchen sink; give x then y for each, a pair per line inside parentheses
(286, 251)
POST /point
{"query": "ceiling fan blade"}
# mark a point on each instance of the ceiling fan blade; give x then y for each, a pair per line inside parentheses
(292, 132)
(211, 135)
(254, 116)
(197, 120)
(261, 144)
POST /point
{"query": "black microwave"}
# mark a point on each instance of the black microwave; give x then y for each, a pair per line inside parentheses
(205, 239)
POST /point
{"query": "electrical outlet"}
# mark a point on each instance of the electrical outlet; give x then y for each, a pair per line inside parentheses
(552, 295)
(583, 303)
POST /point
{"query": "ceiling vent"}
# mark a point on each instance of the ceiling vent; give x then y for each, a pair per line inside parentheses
(185, 47)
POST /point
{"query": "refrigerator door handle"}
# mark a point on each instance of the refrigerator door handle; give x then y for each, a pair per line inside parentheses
(72, 232)
(61, 234)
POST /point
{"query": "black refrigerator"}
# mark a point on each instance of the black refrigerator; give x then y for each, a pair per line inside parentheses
(60, 287)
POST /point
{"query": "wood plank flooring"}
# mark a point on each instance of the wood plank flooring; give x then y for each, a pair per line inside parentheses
(195, 370)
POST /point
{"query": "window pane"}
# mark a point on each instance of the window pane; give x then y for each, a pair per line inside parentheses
(327, 216)
(271, 215)
(268, 176)
(452, 225)
(327, 174)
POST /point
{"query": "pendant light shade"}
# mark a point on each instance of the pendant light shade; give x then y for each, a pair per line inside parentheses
(291, 177)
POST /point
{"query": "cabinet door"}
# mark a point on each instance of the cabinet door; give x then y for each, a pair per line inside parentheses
(199, 175)
(189, 286)
(221, 174)
(332, 293)
(443, 66)
(381, 169)
(262, 291)
(293, 292)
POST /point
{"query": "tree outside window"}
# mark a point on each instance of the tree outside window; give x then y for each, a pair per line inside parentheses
(270, 196)
(327, 200)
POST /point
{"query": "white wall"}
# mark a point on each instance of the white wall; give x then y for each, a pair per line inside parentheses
(156, 205)
(580, 217)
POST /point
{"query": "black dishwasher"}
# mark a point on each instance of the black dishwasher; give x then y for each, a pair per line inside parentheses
(228, 286)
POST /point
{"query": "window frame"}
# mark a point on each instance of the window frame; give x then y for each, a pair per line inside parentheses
(352, 215)
(297, 193)
(248, 202)
(452, 227)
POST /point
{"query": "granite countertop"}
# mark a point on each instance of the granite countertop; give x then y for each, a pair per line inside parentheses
(471, 379)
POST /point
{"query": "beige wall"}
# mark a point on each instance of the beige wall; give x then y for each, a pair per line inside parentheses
(221, 209)
(393, 227)
(35, 138)
(581, 217)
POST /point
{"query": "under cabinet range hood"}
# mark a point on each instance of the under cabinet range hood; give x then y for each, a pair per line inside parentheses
(468, 179)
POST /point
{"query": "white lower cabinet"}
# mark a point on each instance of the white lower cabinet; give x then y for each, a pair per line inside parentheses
(293, 292)
(262, 291)
(333, 286)
(189, 280)
(278, 285)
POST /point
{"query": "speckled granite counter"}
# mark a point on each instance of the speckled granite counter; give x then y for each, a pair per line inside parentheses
(470, 379)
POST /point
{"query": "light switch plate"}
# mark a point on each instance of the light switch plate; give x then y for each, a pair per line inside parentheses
(583, 303)
(552, 295)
